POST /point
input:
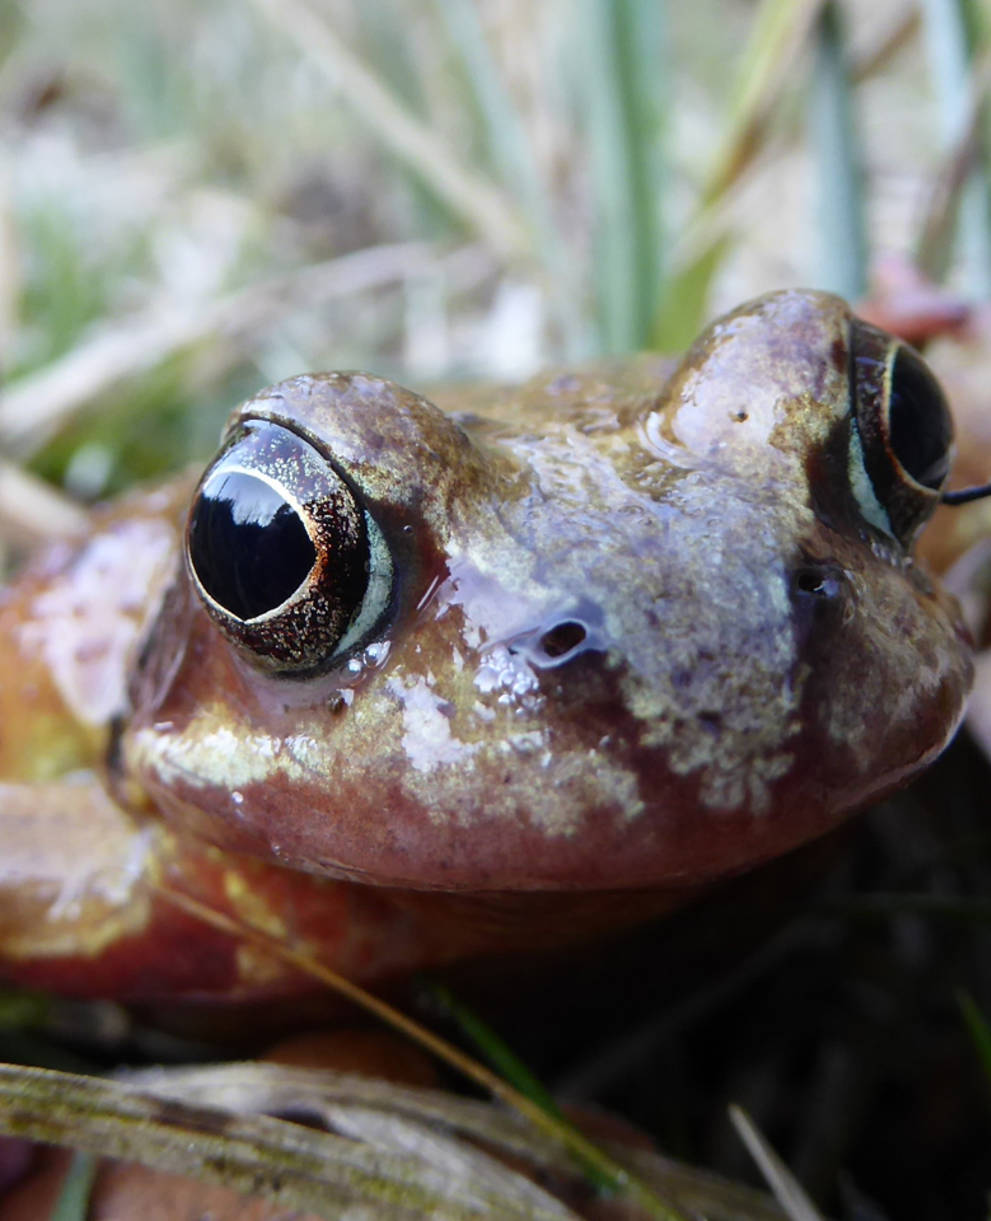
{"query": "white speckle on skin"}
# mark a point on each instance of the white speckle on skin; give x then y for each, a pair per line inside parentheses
(508, 672)
(524, 743)
(216, 756)
(729, 659)
(427, 737)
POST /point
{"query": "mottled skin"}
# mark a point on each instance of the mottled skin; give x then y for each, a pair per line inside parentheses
(641, 636)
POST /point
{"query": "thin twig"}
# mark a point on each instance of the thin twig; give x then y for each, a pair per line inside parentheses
(779, 31)
(870, 61)
(951, 178)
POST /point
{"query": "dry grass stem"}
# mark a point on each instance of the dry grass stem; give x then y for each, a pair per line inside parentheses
(32, 511)
(488, 211)
(781, 31)
(250, 1088)
(874, 59)
(700, 1192)
(37, 406)
(787, 1190)
(585, 1152)
(296, 1166)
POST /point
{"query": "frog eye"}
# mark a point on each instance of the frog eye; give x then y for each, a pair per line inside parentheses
(901, 441)
(285, 559)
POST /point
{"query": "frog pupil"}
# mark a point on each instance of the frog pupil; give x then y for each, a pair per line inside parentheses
(247, 544)
(918, 420)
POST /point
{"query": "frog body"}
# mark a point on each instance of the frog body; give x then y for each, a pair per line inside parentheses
(584, 648)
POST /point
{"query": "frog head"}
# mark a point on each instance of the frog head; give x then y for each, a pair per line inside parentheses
(630, 627)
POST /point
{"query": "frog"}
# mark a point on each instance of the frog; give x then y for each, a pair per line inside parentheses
(404, 681)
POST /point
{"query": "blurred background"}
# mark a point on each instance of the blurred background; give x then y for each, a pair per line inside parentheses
(197, 200)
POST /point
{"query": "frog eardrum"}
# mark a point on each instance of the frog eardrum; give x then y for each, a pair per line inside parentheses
(288, 564)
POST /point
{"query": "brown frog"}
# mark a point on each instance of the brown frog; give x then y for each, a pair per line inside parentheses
(403, 686)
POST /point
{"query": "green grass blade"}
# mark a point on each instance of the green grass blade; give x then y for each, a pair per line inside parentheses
(73, 1199)
(579, 1146)
(685, 304)
(510, 1067)
(494, 1049)
(624, 87)
(508, 148)
(979, 1031)
(950, 28)
(843, 254)
(777, 35)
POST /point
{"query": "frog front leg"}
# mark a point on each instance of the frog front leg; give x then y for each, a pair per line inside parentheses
(85, 876)
(87, 907)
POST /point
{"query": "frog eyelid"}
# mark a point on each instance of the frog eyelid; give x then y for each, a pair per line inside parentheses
(378, 592)
(860, 484)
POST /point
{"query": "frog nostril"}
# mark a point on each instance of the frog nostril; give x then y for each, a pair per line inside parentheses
(562, 638)
(816, 580)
